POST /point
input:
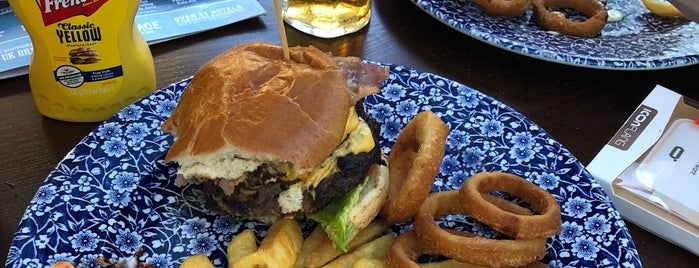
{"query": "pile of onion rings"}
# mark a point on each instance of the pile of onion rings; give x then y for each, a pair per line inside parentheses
(529, 231)
(594, 10)
(413, 164)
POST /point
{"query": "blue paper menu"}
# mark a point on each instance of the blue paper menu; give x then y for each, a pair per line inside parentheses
(157, 20)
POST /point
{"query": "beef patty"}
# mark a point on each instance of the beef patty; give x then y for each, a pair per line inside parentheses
(256, 197)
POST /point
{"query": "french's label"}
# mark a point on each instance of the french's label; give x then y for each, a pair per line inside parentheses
(53, 11)
(633, 127)
(72, 33)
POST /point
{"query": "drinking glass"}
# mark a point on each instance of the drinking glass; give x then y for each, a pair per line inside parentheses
(327, 18)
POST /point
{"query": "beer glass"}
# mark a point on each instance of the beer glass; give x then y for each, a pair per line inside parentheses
(327, 18)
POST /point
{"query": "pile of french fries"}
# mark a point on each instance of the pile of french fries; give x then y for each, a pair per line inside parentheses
(284, 246)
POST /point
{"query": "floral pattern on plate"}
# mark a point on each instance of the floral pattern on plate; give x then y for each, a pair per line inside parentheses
(113, 194)
(640, 41)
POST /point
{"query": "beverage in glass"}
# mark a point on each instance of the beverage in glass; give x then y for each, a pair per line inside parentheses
(327, 18)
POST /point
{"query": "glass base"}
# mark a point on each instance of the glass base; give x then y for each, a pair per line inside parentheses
(328, 32)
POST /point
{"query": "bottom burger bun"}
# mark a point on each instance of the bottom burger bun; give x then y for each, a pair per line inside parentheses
(368, 203)
(270, 137)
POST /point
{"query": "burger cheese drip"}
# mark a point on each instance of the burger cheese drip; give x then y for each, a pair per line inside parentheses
(358, 139)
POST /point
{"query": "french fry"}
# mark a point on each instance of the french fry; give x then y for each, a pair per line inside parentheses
(375, 249)
(316, 238)
(240, 246)
(664, 9)
(197, 261)
(325, 252)
(278, 249)
(369, 263)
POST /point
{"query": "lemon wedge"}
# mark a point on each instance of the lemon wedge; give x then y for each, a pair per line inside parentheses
(663, 8)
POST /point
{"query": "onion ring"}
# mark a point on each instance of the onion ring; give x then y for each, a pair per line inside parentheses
(414, 162)
(505, 8)
(404, 251)
(506, 205)
(544, 224)
(408, 247)
(477, 250)
(594, 10)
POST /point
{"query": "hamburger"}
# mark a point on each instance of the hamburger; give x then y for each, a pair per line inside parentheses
(273, 138)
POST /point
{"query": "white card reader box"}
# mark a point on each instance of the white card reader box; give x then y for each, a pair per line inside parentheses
(650, 168)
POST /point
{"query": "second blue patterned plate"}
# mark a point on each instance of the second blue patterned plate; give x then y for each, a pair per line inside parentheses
(640, 41)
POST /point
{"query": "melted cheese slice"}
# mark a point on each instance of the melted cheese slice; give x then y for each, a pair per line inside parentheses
(359, 139)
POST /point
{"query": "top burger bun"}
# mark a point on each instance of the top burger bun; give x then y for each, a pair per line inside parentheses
(272, 137)
(250, 102)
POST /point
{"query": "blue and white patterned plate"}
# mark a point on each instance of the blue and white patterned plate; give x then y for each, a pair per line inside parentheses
(640, 41)
(112, 194)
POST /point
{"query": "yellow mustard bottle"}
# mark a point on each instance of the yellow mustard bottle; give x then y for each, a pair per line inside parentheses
(89, 61)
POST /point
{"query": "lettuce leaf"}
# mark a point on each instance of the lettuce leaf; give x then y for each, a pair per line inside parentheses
(334, 218)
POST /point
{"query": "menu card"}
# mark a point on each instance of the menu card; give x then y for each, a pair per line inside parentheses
(157, 20)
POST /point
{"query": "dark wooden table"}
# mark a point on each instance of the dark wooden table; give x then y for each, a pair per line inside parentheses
(579, 107)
